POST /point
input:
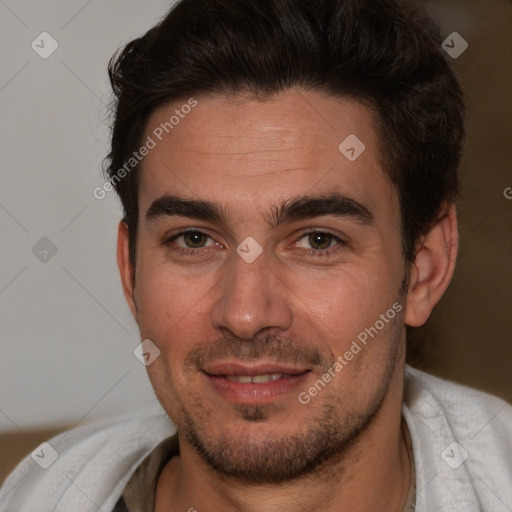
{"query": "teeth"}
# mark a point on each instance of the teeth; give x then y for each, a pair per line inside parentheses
(257, 379)
(240, 378)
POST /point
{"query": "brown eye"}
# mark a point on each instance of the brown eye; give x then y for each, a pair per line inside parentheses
(192, 243)
(320, 241)
(194, 239)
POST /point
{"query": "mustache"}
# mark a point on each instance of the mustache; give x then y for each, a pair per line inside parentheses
(262, 347)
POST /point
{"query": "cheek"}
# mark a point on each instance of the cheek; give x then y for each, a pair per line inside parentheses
(174, 313)
(166, 298)
(343, 303)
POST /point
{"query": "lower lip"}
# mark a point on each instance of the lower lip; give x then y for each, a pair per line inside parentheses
(256, 393)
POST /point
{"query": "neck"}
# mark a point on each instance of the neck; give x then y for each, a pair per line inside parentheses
(376, 465)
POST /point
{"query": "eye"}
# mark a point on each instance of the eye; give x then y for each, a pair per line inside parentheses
(189, 242)
(318, 241)
(193, 239)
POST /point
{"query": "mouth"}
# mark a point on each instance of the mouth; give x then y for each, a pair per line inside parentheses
(256, 379)
(254, 384)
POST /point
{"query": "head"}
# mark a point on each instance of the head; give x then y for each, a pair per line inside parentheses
(295, 254)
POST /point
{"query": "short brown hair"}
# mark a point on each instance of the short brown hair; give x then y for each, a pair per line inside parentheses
(384, 53)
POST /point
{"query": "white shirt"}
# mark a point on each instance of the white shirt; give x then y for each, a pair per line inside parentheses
(461, 439)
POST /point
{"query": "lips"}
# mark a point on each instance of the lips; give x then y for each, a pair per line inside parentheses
(256, 383)
(237, 369)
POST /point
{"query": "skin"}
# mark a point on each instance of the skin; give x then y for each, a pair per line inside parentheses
(211, 305)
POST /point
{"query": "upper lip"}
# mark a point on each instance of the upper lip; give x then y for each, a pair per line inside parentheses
(253, 369)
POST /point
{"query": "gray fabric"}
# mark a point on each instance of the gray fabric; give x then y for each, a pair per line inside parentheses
(139, 493)
(96, 461)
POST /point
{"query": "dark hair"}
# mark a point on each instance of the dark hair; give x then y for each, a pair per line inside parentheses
(384, 53)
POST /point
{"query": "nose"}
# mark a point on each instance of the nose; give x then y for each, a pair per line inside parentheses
(251, 299)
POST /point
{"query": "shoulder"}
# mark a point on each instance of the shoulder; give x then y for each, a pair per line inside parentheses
(468, 411)
(86, 465)
(462, 442)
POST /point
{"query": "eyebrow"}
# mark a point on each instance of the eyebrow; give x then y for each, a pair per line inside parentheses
(308, 207)
(302, 208)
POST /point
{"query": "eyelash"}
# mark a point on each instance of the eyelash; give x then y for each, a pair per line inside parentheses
(317, 253)
(325, 253)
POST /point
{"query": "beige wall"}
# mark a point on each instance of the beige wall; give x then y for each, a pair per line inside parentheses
(469, 335)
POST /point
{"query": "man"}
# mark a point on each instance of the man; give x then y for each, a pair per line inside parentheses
(288, 172)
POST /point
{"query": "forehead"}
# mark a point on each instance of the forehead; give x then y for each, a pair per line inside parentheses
(251, 153)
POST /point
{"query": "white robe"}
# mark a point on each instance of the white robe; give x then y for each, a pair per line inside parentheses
(96, 461)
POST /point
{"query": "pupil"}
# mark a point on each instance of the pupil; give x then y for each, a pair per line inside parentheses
(194, 238)
(321, 240)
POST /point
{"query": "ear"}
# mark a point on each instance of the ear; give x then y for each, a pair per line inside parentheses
(433, 266)
(125, 267)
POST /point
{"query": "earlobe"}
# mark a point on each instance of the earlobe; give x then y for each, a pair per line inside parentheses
(124, 264)
(433, 267)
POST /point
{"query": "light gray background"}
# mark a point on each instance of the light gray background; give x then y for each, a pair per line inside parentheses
(67, 334)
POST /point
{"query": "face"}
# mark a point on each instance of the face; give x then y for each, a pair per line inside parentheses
(269, 274)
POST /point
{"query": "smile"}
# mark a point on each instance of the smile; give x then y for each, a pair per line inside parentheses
(257, 379)
(258, 384)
